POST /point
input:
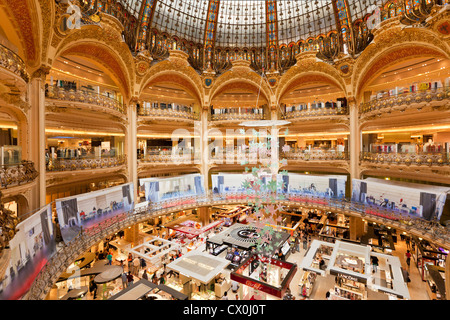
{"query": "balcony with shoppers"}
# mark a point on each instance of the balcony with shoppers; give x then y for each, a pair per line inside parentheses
(420, 151)
(75, 83)
(416, 89)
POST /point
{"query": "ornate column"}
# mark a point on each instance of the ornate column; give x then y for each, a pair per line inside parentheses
(202, 131)
(355, 138)
(131, 139)
(36, 133)
(447, 277)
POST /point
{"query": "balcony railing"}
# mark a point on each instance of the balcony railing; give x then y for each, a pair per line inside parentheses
(168, 113)
(65, 254)
(237, 116)
(316, 155)
(406, 99)
(311, 113)
(12, 62)
(72, 164)
(167, 157)
(431, 159)
(17, 174)
(59, 93)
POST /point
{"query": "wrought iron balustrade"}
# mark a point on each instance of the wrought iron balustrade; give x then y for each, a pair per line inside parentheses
(406, 99)
(83, 96)
(17, 174)
(70, 164)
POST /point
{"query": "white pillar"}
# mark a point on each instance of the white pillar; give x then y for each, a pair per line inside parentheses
(36, 137)
(203, 132)
(132, 163)
(354, 140)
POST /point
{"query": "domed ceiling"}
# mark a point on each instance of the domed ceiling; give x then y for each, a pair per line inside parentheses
(242, 23)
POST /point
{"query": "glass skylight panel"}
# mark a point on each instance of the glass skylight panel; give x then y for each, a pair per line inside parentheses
(241, 23)
(301, 19)
(183, 18)
(133, 6)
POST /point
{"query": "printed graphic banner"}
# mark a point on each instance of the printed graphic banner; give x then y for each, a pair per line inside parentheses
(418, 200)
(90, 209)
(32, 246)
(179, 187)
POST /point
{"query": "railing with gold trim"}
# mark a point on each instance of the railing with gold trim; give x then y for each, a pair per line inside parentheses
(12, 62)
(84, 163)
(406, 99)
(168, 113)
(325, 155)
(17, 174)
(430, 159)
(82, 96)
(311, 113)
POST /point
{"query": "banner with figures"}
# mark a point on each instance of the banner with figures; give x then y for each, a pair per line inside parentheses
(88, 210)
(32, 246)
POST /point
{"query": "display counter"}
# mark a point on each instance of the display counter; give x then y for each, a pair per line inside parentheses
(306, 283)
(220, 287)
(435, 277)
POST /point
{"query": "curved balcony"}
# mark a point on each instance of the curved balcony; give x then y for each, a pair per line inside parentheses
(17, 174)
(315, 155)
(168, 158)
(84, 98)
(151, 114)
(65, 255)
(312, 114)
(235, 117)
(73, 164)
(400, 102)
(407, 159)
(12, 62)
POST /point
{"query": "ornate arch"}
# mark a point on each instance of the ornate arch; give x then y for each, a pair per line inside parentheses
(244, 78)
(392, 46)
(105, 46)
(26, 18)
(175, 71)
(308, 70)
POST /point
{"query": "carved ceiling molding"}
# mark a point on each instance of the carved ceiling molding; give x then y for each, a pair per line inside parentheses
(239, 76)
(392, 45)
(47, 14)
(25, 18)
(106, 43)
(176, 70)
(308, 69)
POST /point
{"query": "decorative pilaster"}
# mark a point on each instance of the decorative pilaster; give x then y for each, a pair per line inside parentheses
(131, 135)
(36, 133)
(355, 138)
(203, 133)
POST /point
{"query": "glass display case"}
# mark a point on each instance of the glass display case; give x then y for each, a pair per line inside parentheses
(350, 289)
(11, 155)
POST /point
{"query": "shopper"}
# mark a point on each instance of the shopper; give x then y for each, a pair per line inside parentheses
(288, 295)
(145, 275)
(129, 261)
(408, 258)
(93, 288)
(130, 278)
(374, 263)
(109, 258)
(225, 296)
(234, 286)
(136, 265)
(124, 279)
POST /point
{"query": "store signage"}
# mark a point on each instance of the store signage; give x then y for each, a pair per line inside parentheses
(348, 276)
(256, 285)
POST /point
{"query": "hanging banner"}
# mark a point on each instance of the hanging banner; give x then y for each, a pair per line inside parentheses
(418, 200)
(88, 210)
(32, 246)
(325, 186)
(173, 188)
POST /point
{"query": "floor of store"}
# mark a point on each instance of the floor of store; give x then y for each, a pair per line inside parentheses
(417, 287)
